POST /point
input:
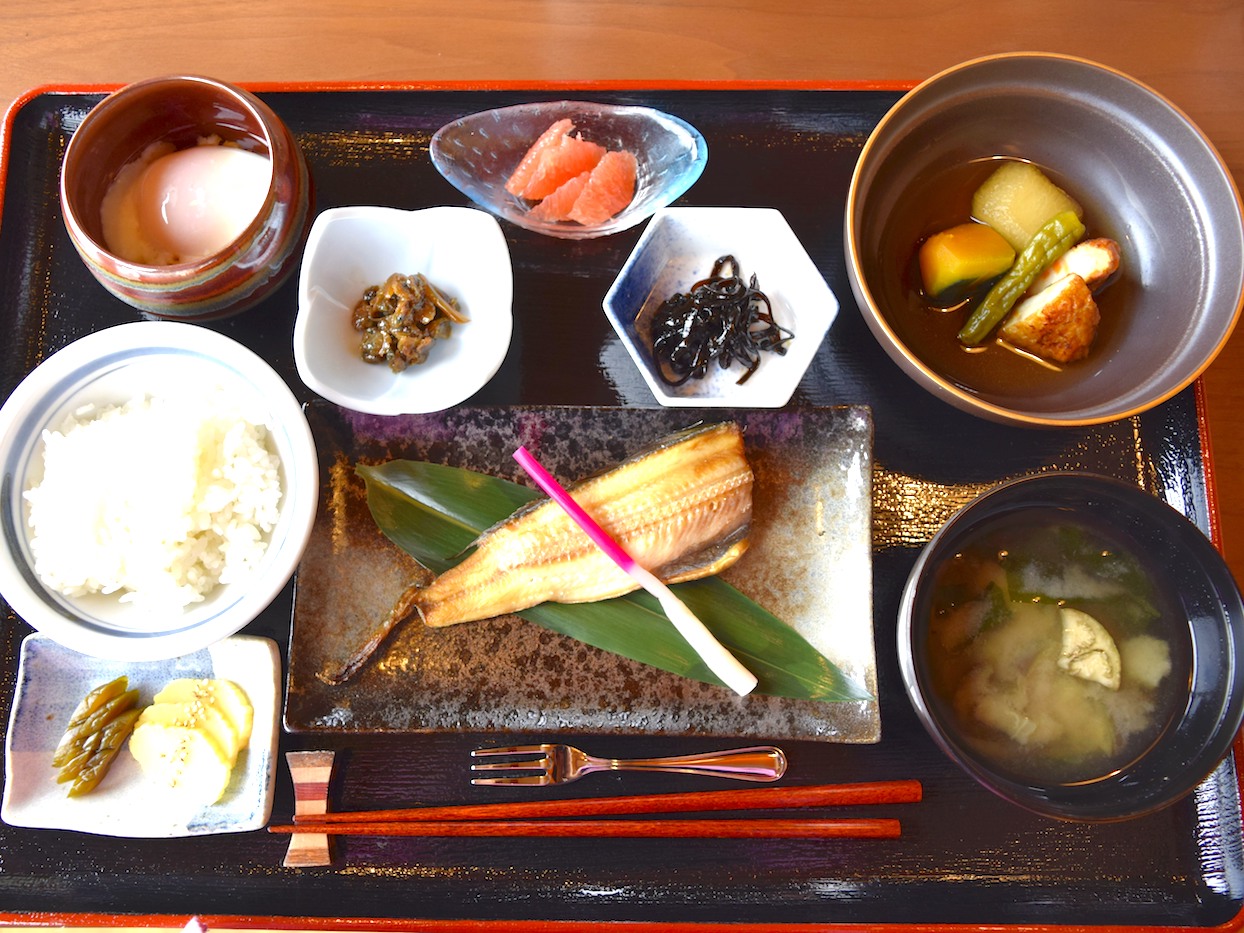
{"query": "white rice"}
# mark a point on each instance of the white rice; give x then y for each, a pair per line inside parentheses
(158, 500)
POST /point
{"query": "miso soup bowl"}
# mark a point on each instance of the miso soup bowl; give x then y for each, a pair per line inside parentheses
(182, 110)
(1146, 177)
(1207, 613)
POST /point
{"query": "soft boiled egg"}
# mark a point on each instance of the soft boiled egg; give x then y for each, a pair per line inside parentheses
(185, 205)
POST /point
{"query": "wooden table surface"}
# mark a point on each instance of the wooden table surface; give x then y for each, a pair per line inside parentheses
(1191, 52)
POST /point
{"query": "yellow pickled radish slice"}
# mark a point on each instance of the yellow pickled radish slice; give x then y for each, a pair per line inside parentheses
(196, 715)
(182, 759)
(224, 696)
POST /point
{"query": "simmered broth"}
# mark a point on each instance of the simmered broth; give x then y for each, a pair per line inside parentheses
(1054, 648)
(940, 202)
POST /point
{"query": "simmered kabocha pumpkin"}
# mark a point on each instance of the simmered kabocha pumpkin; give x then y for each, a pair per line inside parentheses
(955, 262)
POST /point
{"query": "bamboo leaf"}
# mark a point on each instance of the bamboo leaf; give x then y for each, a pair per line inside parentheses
(436, 512)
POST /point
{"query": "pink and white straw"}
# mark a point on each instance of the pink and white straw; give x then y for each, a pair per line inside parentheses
(719, 660)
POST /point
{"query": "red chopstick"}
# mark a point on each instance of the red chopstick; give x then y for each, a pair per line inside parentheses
(762, 798)
(903, 791)
(678, 829)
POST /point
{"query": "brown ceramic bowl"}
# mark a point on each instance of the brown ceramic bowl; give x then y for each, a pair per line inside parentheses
(1146, 177)
(182, 110)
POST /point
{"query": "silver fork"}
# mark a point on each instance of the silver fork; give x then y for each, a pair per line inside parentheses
(560, 764)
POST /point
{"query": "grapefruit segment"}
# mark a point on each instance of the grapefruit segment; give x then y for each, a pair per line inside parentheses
(558, 164)
(572, 178)
(609, 188)
(527, 166)
(557, 205)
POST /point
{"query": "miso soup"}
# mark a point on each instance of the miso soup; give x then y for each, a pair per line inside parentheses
(1054, 648)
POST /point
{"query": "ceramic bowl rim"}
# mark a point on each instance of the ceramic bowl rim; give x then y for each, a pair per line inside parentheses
(128, 269)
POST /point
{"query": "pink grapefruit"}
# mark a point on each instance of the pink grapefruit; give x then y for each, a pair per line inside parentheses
(558, 204)
(527, 166)
(559, 163)
(609, 188)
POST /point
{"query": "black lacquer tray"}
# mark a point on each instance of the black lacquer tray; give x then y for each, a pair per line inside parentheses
(964, 858)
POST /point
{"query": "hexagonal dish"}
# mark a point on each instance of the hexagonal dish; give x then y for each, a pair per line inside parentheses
(462, 253)
(477, 153)
(677, 250)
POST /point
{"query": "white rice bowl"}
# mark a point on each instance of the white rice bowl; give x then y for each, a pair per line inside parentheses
(160, 482)
(197, 514)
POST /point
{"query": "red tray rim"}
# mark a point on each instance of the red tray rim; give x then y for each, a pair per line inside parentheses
(370, 925)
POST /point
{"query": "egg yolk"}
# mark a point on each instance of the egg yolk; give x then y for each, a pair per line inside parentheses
(185, 205)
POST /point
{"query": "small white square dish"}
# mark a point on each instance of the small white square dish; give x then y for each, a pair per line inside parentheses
(52, 679)
(462, 253)
(678, 249)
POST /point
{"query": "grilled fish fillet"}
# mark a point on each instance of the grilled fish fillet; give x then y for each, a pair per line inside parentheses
(682, 510)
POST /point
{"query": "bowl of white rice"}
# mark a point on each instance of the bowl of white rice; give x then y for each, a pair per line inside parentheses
(159, 485)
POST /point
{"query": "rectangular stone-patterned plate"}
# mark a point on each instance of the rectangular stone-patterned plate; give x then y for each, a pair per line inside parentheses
(809, 563)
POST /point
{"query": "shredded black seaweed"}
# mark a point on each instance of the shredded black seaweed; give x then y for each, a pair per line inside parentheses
(721, 318)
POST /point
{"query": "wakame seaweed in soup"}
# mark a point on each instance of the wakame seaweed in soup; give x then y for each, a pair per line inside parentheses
(1055, 648)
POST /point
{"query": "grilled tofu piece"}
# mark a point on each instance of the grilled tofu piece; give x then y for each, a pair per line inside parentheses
(1092, 260)
(1058, 323)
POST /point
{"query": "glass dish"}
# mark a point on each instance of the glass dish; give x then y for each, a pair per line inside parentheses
(477, 153)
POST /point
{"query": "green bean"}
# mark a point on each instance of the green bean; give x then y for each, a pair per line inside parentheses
(82, 727)
(1057, 236)
(112, 737)
(96, 731)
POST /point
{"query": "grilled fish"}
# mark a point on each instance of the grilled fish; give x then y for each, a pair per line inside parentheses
(681, 509)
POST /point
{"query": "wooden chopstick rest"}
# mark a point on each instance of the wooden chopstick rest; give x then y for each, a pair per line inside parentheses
(311, 773)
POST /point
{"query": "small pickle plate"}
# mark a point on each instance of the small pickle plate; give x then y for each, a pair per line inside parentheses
(52, 679)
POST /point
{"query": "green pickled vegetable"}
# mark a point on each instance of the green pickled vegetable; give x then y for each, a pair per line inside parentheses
(81, 754)
(1059, 234)
(79, 730)
(111, 738)
(97, 698)
(96, 731)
